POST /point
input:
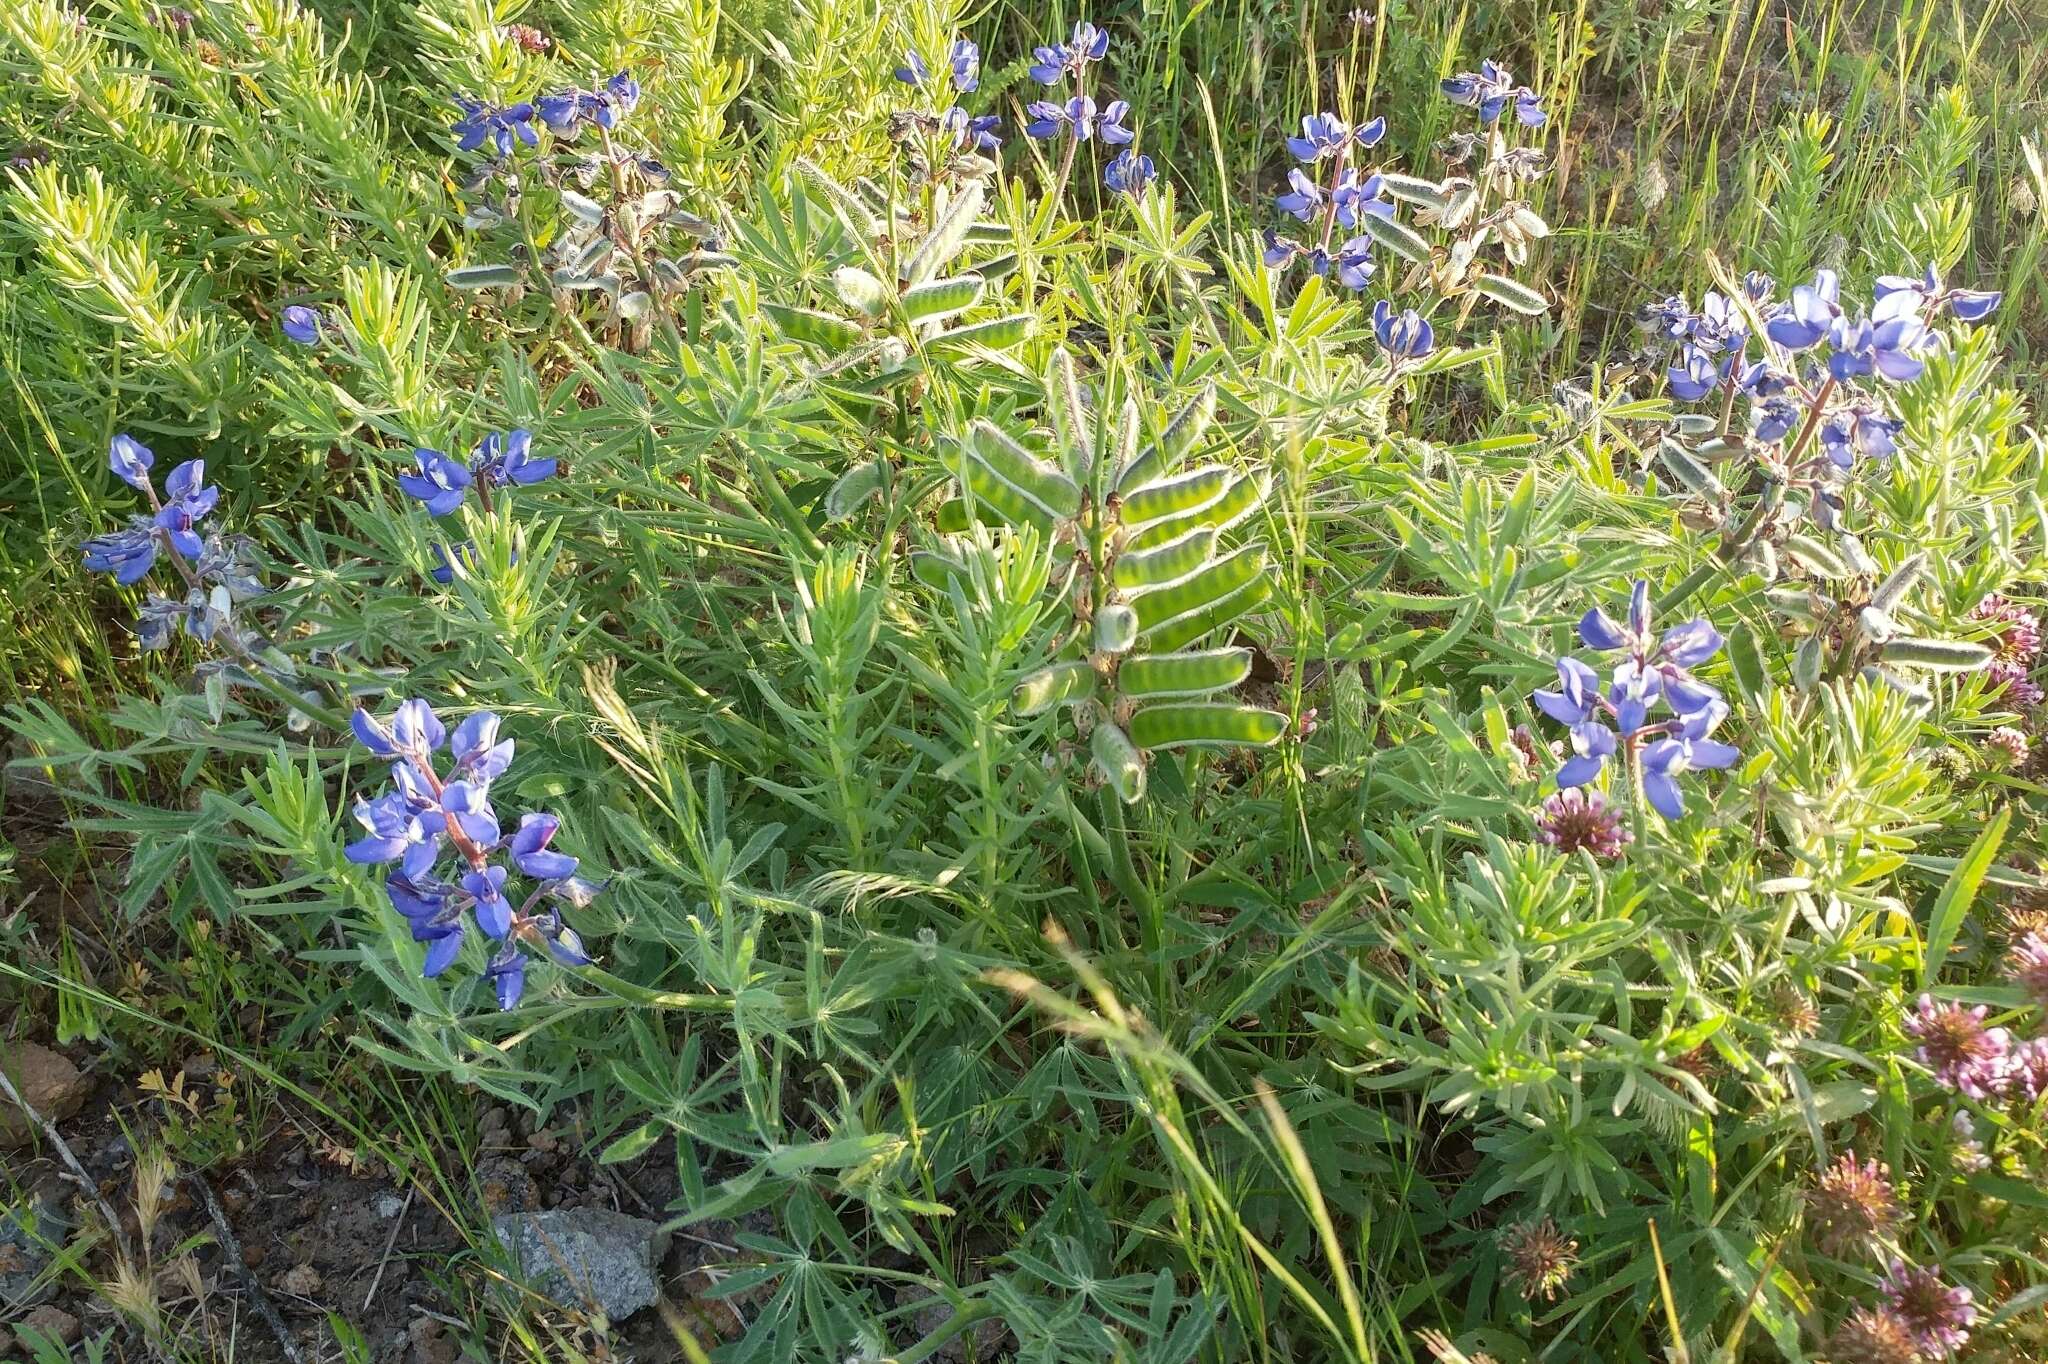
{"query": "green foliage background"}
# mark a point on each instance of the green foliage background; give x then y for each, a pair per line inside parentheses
(1256, 1068)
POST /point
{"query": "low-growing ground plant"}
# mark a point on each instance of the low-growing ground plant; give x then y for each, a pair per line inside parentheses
(1135, 735)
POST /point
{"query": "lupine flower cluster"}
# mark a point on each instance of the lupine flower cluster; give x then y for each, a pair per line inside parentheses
(1129, 174)
(1492, 90)
(502, 129)
(963, 68)
(1058, 62)
(427, 814)
(1802, 386)
(442, 483)
(1341, 197)
(953, 127)
(1652, 670)
(216, 572)
(2016, 645)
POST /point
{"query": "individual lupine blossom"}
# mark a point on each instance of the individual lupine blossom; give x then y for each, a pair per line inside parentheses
(1969, 305)
(1351, 199)
(2026, 961)
(1540, 1258)
(300, 324)
(498, 461)
(1958, 1050)
(1653, 669)
(1859, 427)
(2015, 644)
(964, 62)
(1490, 90)
(130, 553)
(1852, 1206)
(428, 813)
(1352, 261)
(1079, 119)
(977, 131)
(1325, 135)
(1129, 174)
(1937, 1315)
(569, 111)
(1405, 335)
(501, 127)
(1057, 61)
(1873, 1335)
(1576, 820)
(2006, 745)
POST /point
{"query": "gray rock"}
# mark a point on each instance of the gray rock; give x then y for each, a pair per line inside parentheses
(586, 1257)
(27, 1231)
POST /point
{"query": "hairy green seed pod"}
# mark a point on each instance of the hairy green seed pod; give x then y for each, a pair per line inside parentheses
(1196, 673)
(1206, 724)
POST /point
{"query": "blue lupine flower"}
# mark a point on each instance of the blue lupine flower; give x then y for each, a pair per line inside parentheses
(1280, 251)
(1076, 117)
(1576, 705)
(1697, 373)
(1355, 198)
(479, 756)
(1129, 173)
(1858, 429)
(1758, 286)
(1654, 668)
(396, 831)
(1886, 346)
(498, 461)
(1490, 90)
(447, 556)
(1762, 379)
(300, 324)
(1775, 418)
(493, 910)
(508, 459)
(468, 805)
(1405, 335)
(1110, 127)
(1326, 134)
(566, 111)
(440, 483)
(530, 853)
(1304, 199)
(411, 823)
(1804, 320)
(1354, 263)
(187, 502)
(1671, 317)
(430, 909)
(480, 123)
(1969, 305)
(157, 621)
(1686, 748)
(414, 732)
(971, 130)
(964, 60)
(130, 461)
(127, 554)
(507, 974)
(1060, 60)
